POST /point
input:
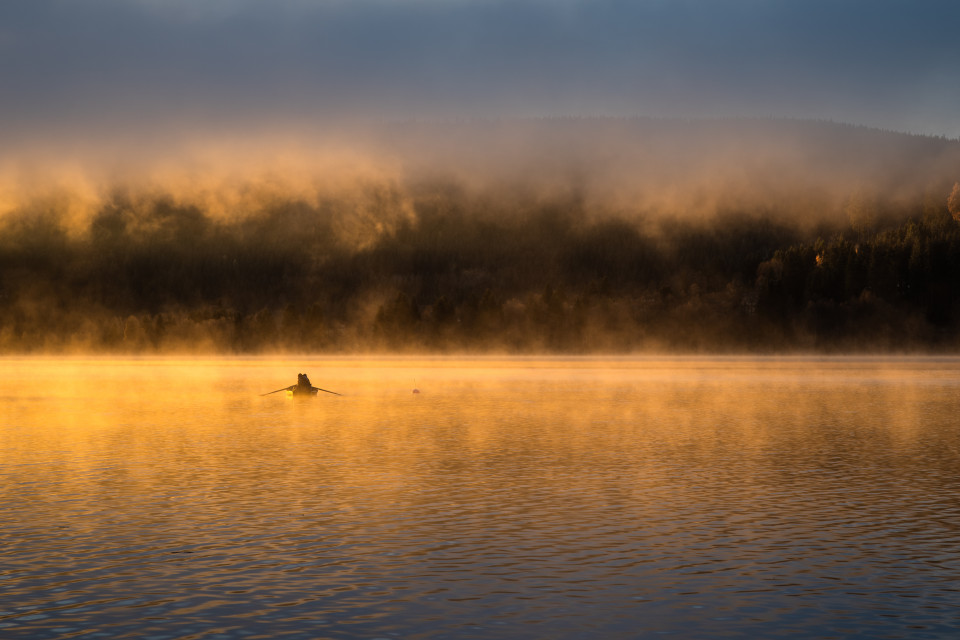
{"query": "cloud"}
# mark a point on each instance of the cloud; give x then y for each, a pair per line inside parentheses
(109, 64)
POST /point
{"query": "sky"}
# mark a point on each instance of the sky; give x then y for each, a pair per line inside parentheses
(116, 67)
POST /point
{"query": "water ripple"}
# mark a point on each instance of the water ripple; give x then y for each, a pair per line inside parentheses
(733, 500)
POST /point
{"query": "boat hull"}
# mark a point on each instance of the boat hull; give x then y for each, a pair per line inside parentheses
(299, 393)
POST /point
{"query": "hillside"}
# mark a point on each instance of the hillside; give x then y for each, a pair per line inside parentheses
(562, 235)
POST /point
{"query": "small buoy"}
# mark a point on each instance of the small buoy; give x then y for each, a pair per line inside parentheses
(415, 390)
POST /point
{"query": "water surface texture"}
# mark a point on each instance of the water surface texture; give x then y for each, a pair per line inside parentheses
(511, 498)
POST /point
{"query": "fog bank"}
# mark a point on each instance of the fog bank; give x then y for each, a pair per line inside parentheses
(565, 236)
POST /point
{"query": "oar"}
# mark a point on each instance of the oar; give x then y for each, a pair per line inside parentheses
(333, 392)
(279, 390)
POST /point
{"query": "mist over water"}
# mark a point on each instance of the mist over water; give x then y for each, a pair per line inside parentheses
(557, 235)
(512, 497)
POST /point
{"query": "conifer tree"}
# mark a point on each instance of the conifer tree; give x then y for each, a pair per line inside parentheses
(953, 202)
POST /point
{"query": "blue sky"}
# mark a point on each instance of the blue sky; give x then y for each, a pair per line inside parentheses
(116, 65)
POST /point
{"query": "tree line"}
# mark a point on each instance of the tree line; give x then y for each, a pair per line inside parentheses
(496, 271)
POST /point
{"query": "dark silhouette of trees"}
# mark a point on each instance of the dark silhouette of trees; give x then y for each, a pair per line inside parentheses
(498, 270)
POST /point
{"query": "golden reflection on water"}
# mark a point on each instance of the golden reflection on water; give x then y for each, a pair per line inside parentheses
(618, 489)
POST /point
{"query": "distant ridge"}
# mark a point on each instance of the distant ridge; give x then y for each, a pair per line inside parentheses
(642, 158)
(666, 123)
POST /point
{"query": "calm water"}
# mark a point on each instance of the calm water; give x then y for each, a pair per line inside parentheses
(509, 499)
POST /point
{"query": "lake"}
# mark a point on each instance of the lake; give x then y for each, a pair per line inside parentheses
(510, 498)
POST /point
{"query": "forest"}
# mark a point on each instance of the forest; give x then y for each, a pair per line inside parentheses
(439, 266)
